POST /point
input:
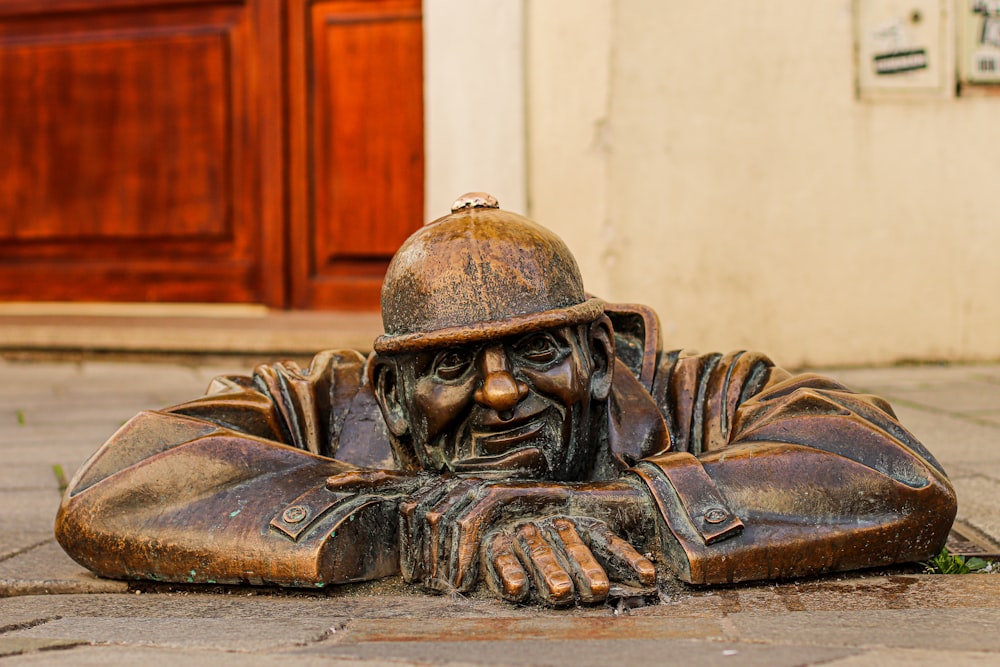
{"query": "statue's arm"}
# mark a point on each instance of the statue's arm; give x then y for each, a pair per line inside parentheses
(814, 478)
(225, 489)
(170, 498)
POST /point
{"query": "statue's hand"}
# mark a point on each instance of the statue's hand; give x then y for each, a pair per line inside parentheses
(443, 525)
(559, 559)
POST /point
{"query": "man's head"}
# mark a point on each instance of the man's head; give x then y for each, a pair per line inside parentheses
(494, 362)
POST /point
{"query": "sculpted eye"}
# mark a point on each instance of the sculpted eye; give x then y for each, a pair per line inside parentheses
(539, 348)
(452, 363)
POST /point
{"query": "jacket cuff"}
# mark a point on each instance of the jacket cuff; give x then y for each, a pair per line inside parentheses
(339, 537)
(694, 511)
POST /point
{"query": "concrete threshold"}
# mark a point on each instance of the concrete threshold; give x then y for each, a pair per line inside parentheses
(181, 328)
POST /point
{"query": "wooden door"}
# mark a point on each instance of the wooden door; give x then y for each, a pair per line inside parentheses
(133, 134)
(264, 151)
(357, 158)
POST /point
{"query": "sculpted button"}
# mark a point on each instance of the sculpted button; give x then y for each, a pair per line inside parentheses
(294, 514)
(716, 515)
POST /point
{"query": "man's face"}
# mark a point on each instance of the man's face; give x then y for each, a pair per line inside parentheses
(516, 407)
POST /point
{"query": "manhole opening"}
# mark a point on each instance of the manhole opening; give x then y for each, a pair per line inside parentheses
(964, 540)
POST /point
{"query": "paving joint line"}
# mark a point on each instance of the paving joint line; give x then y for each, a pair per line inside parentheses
(27, 625)
(332, 632)
(987, 378)
(24, 550)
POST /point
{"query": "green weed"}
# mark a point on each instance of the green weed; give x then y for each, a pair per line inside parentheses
(945, 563)
(57, 470)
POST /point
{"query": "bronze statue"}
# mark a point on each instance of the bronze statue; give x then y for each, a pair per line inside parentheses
(512, 429)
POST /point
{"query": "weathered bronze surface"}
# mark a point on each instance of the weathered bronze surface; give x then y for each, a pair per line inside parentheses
(510, 429)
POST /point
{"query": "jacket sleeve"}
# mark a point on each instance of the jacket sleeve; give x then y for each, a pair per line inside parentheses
(772, 475)
(230, 489)
(305, 408)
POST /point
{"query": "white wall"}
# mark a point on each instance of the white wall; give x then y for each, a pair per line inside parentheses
(474, 102)
(712, 160)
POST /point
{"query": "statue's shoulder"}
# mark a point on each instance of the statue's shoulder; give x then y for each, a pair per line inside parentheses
(639, 347)
(344, 366)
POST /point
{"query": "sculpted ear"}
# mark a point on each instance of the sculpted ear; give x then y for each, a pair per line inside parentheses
(386, 387)
(602, 355)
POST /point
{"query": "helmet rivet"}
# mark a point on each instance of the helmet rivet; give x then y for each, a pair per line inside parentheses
(475, 200)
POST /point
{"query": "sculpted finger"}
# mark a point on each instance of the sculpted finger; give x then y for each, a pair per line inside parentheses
(364, 480)
(504, 572)
(483, 514)
(439, 565)
(411, 528)
(592, 584)
(620, 559)
(553, 584)
(467, 530)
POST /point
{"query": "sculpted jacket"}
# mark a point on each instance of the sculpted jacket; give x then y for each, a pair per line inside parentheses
(753, 473)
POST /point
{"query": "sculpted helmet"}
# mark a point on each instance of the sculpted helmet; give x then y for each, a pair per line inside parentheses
(477, 274)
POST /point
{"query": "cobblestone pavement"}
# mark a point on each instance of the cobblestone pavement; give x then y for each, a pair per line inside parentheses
(55, 412)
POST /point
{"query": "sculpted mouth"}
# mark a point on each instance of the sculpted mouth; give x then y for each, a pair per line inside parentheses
(496, 442)
(513, 451)
(526, 462)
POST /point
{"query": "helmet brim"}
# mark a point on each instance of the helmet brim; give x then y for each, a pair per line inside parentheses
(587, 311)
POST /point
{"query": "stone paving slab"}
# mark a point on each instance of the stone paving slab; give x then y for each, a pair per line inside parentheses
(105, 656)
(28, 518)
(835, 621)
(179, 632)
(46, 569)
(954, 397)
(951, 439)
(24, 476)
(972, 392)
(990, 418)
(915, 658)
(91, 656)
(583, 652)
(869, 378)
(978, 500)
(9, 647)
(270, 332)
(44, 454)
(966, 629)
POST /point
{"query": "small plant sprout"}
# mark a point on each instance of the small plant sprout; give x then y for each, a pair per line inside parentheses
(946, 563)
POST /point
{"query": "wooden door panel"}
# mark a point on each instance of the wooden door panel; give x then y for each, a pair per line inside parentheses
(360, 92)
(126, 279)
(136, 162)
(263, 151)
(127, 137)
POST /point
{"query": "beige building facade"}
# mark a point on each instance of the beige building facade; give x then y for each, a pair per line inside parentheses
(716, 161)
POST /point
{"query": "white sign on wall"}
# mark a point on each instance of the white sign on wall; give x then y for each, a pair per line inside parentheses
(979, 35)
(901, 49)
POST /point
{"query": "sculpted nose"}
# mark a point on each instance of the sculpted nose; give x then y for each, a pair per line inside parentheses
(500, 390)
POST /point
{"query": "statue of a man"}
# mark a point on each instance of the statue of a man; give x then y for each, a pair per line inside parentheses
(511, 429)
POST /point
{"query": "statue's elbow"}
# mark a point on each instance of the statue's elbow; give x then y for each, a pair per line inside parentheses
(930, 515)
